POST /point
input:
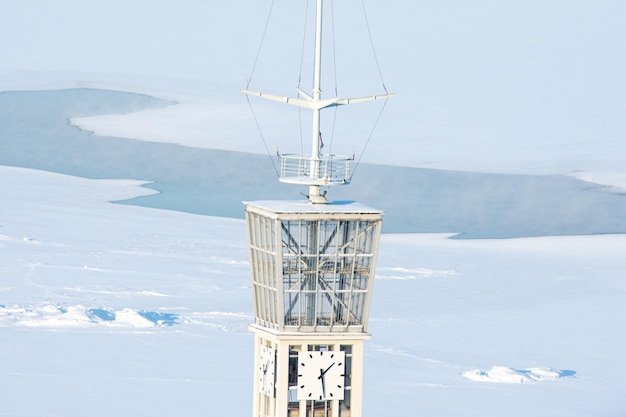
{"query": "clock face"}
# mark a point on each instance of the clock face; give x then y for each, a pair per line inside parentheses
(266, 371)
(321, 375)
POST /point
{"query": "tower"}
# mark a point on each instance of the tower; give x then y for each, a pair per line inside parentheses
(312, 266)
(312, 275)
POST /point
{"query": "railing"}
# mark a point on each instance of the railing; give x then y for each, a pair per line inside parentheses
(327, 169)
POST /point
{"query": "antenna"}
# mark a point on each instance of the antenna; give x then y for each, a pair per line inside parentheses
(315, 170)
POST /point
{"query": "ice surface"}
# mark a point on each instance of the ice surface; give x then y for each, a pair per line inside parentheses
(503, 374)
(533, 89)
(204, 181)
(116, 310)
(151, 307)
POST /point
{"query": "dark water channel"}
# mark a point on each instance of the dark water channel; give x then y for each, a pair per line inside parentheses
(35, 133)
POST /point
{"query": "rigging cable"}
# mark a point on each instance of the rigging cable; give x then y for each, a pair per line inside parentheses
(258, 53)
(369, 138)
(256, 121)
(380, 74)
(369, 32)
(256, 60)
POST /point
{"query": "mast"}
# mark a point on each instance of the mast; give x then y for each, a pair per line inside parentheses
(314, 190)
(315, 170)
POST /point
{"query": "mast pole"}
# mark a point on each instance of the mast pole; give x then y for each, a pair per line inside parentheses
(316, 170)
(314, 190)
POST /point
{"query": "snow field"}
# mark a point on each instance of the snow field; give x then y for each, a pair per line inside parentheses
(151, 307)
(113, 311)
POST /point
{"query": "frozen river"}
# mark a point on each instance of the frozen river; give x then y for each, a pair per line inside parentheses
(35, 133)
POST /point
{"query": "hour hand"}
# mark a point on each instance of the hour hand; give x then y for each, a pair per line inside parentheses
(323, 379)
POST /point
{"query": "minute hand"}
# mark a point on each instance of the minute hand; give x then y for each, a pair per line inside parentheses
(324, 372)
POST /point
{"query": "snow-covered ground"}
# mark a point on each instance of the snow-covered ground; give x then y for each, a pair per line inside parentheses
(112, 310)
(116, 310)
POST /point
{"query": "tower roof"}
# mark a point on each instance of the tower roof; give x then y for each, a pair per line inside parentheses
(305, 207)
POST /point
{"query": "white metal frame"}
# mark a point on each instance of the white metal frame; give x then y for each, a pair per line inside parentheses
(307, 274)
(331, 169)
(315, 102)
(277, 405)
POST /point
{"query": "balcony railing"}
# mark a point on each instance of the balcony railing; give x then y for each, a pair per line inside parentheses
(325, 170)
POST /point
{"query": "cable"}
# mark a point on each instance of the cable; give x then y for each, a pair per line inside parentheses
(269, 15)
(262, 137)
(369, 32)
(306, 18)
(369, 138)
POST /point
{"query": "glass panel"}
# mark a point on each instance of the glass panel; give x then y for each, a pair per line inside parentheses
(293, 405)
(325, 262)
(348, 368)
(263, 267)
(344, 405)
(293, 365)
(319, 408)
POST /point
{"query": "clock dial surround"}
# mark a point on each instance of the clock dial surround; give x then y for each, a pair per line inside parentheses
(321, 375)
(267, 367)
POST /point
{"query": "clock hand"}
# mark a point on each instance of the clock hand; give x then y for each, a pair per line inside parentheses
(323, 379)
(324, 372)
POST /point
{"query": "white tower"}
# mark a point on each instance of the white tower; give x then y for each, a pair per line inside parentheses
(313, 266)
(312, 274)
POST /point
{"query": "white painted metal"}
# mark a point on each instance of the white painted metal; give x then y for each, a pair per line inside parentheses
(314, 188)
(284, 402)
(315, 169)
(310, 103)
(308, 262)
(330, 169)
(312, 268)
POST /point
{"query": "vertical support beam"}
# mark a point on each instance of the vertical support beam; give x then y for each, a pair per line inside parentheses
(312, 227)
(272, 402)
(278, 273)
(282, 378)
(256, 408)
(356, 402)
(334, 408)
(375, 236)
(303, 409)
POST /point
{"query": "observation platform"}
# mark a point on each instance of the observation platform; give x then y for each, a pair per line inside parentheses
(323, 171)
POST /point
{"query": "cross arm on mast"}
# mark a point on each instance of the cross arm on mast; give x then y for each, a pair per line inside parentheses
(314, 104)
(343, 101)
(283, 99)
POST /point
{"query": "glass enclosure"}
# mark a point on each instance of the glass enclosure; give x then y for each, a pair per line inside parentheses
(313, 273)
